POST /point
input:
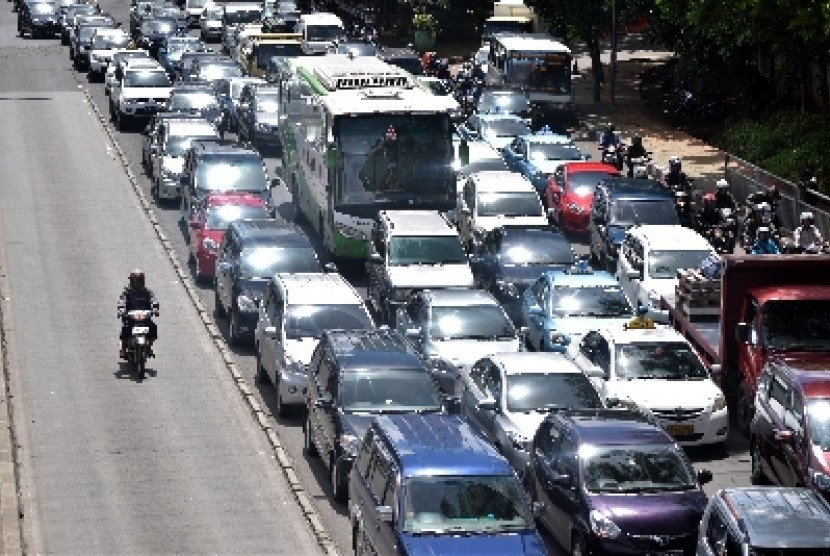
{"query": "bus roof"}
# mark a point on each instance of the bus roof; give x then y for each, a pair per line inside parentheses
(321, 18)
(529, 43)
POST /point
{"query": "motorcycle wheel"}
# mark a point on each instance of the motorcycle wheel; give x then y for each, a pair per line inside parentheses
(140, 363)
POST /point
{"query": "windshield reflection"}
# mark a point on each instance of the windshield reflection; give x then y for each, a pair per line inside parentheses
(546, 391)
(592, 301)
(407, 250)
(481, 322)
(631, 469)
(663, 360)
(797, 325)
(818, 421)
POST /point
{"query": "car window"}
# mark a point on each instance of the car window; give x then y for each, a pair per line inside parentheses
(779, 396)
(494, 382)
(566, 458)
(588, 345)
(602, 358)
(477, 375)
(548, 441)
(364, 457)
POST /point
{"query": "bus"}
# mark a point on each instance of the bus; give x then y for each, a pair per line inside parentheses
(320, 32)
(359, 136)
(534, 63)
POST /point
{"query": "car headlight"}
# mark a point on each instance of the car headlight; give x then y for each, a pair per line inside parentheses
(245, 303)
(507, 288)
(558, 338)
(349, 443)
(821, 480)
(603, 527)
(210, 245)
(518, 440)
(720, 402)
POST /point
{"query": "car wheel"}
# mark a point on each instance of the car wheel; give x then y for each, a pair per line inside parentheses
(743, 411)
(756, 474)
(308, 444)
(578, 545)
(282, 409)
(217, 303)
(233, 327)
(338, 485)
(261, 373)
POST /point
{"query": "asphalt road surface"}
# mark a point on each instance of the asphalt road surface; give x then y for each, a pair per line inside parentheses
(88, 216)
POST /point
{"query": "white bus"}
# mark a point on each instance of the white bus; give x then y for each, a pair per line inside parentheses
(534, 63)
(360, 136)
(320, 31)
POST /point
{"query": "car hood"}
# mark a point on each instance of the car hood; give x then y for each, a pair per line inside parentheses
(300, 349)
(665, 513)
(666, 394)
(174, 164)
(431, 276)
(490, 223)
(523, 542)
(102, 53)
(527, 423)
(550, 166)
(464, 353)
(663, 288)
(523, 276)
(575, 326)
(499, 143)
(213, 23)
(146, 92)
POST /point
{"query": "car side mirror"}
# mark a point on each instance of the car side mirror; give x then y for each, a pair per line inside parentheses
(385, 513)
(487, 404)
(742, 332)
(271, 331)
(704, 476)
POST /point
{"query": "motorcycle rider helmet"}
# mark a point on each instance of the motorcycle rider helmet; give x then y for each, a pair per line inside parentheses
(674, 165)
(637, 140)
(722, 185)
(808, 216)
(137, 279)
(708, 200)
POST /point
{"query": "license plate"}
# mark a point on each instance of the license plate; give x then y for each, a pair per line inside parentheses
(141, 329)
(680, 430)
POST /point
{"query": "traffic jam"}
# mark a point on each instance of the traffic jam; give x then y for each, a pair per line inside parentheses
(492, 340)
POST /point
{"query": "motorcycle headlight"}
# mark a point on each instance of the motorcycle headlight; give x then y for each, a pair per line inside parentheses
(558, 338)
(210, 245)
(819, 479)
(507, 288)
(349, 443)
(518, 440)
(603, 527)
(245, 303)
(720, 402)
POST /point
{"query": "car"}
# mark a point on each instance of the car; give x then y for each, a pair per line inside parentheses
(562, 305)
(508, 395)
(509, 259)
(234, 16)
(258, 115)
(620, 203)
(504, 101)
(170, 53)
(765, 521)
(296, 309)
(570, 192)
(105, 42)
(430, 484)
(186, 62)
(193, 10)
(255, 53)
(153, 31)
(80, 42)
(495, 199)
(537, 156)
(173, 12)
(228, 91)
(117, 60)
(649, 260)
(210, 23)
(170, 140)
(209, 222)
(250, 253)
(472, 157)
(199, 99)
(656, 371)
(497, 130)
(67, 17)
(453, 328)
(612, 482)
(353, 376)
(212, 69)
(412, 250)
(38, 19)
(139, 91)
(789, 439)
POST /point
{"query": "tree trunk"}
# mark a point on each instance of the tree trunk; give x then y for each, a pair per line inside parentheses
(596, 69)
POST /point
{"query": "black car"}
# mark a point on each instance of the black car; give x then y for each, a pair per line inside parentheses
(404, 58)
(182, 71)
(509, 259)
(38, 19)
(67, 18)
(620, 203)
(198, 99)
(257, 115)
(251, 252)
(211, 70)
(80, 42)
(153, 32)
(353, 376)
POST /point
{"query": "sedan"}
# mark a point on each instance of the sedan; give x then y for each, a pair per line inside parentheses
(570, 192)
(197, 99)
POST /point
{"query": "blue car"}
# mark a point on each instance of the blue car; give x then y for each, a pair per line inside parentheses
(537, 155)
(562, 305)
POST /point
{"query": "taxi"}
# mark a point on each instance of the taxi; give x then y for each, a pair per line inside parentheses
(653, 368)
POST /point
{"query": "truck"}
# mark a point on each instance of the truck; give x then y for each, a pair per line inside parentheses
(770, 305)
(510, 16)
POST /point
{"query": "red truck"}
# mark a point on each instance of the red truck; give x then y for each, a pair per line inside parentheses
(770, 304)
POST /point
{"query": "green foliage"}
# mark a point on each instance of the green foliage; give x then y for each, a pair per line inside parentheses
(424, 22)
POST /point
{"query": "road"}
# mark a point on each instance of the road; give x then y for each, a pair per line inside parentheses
(104, 249)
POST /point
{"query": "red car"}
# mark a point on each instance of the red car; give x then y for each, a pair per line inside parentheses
(570, 192)
(210, 221)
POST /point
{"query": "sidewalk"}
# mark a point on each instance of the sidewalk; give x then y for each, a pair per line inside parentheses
(701, 162)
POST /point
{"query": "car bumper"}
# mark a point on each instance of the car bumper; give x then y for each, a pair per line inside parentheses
(709, 428)
(247, 321)
(625, 546)
(168, 188)
(46, 28)
(210, 33)
(292, 387)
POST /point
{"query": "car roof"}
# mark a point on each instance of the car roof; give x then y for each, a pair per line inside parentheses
(266, 230)
(317, 288)
(547, 138)
(376, 348)
(439, 445)
(501, 181)
(191, 127)
(534, 362)
(670, 237)
(779, 517)
(452, 297)
(570, 277)
(497, 116)
(417, 222)
(192, 88)
(612, 426)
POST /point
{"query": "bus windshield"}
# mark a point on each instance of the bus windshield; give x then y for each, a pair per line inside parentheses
(548, 71)
(395, 158)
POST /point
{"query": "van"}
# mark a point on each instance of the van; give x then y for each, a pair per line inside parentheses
(319, 31)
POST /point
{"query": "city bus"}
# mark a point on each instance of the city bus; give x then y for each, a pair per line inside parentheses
(359, 136)
(534, 63)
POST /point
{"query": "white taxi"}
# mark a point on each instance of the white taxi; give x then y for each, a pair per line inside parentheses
(654, 369)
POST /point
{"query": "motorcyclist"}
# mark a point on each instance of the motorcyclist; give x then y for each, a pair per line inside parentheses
(764, 244)
(136, 297)
(676, 179)
(758, 217)
(683, 209)
(723, 197)
(807, 236)
(709, 216)
(636, 150)
(609, 138)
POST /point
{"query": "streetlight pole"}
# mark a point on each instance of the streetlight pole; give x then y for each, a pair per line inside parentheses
(613, 52)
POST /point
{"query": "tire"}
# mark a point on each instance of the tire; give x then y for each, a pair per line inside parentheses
(743, 410)
(261, 375)
(233, 327)
(308, 445)
(339, 487)
(756, 475)
(578, 545)
(140, 367)
(282, 409)
(218, 309)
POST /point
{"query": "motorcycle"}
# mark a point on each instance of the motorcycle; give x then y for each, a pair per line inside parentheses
(683, 209)
(614, 155)
(641, 167)
(137, 347)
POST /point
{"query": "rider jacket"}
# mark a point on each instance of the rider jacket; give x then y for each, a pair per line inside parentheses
(807, 237)
(725, 200)
(637, 151)
(137, 300)
(708, 218)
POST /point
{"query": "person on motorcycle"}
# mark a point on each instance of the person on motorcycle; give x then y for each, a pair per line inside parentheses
(709, 217)
(807, 236)
(759, 216)
(609, 138)
(636, 150)
(764, 244)
(723, 197)
(676, 179)
(136, 297)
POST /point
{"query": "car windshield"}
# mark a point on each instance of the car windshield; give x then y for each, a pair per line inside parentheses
(42, 8)
(159, 26)
(536, 247)
(265, 52)
(437, 88)
(213, 12)
(528, 392)
(219, 217)
(148, 78)
(665, 264)
(214, 72)
(505, 104)
(231, 173)
(86, 32)
(663, 360)
(232, 17)
(629, 213)
(518, 203)
(818, 423)
(109, 42)
(268, 104)
(357, 48)
(583, 184)
(177, 145)
(504, 128)
(591, 301)
(796, 325)
(193, 101)
(389, 391)
(409, 250)
(479, 322)
(264, 262)
(465, 504)
(310, 321)
(324, 32)
(553, 151)
(118, 57)
(635, 469)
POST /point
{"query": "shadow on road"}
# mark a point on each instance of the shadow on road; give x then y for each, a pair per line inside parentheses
(126, 371)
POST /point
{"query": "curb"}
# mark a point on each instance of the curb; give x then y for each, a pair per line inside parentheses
(284, 461)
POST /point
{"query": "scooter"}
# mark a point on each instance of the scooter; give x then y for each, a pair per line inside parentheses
(137, 348)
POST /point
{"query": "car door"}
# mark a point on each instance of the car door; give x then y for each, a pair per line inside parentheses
(382, 480)
(224, 262)
(243, 111)
(472, 391)
(277, 344)
(265, 341)
(596, 224)
(779, 400)
(322, 416)
(795, 451)
(156, 155)
(465, 215)
(628, 269)
(547, 451)
(535, 308)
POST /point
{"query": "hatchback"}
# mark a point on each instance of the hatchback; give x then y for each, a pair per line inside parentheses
(570, 191)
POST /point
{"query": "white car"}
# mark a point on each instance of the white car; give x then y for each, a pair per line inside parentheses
(294, 311)
(650, 256)
(493, 200)
(118, 58)
(139, 91)
(105, 42)
(655, 370)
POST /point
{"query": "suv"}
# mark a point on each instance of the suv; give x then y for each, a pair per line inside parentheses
(620, 203)
(613, 482)
(168, 149)
(353, 376)
(413, 250)
(251, 252)
(790, 432)
(294, 312)
(649, 259)
(139, 91)
(765, 522)
(257, 115)
(429, 484)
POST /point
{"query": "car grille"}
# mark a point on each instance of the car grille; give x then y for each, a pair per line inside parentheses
(678, 414)
(662, 542)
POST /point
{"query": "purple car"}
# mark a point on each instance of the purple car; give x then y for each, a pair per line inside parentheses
(612, 482)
